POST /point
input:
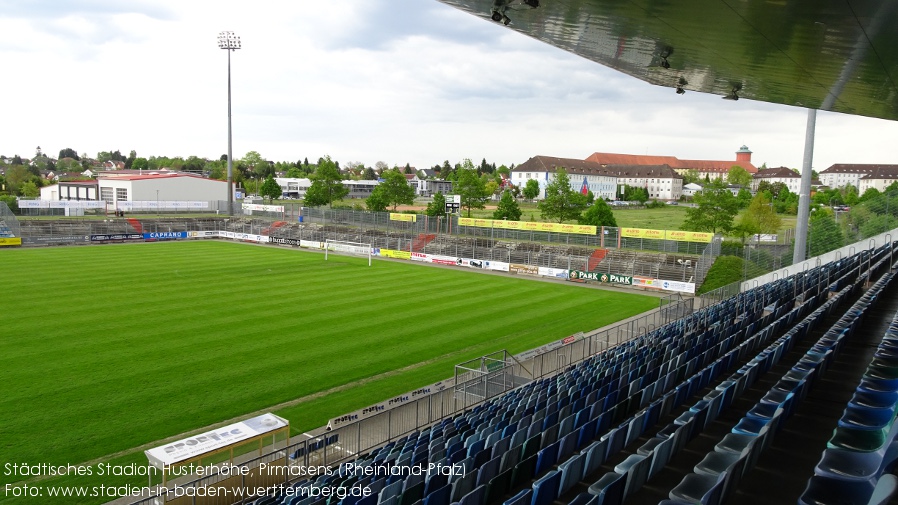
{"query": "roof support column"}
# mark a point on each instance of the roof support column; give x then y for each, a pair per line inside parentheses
(804, 193)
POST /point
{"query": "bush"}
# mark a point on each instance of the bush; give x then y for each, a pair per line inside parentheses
(727, 270)
(655, 204)
(10, 202)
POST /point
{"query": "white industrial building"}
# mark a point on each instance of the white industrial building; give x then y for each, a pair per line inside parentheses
(292, 187)
(161, 187)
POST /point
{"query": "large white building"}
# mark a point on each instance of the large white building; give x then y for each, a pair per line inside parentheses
(584, 175)
(843, 174)
(296, 188)
(879, 178)
(161, 188)
(787, 176)
(140, 188)
(712, 169)
(660, 181)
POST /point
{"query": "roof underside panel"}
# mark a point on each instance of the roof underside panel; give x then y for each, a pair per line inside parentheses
(838, 55)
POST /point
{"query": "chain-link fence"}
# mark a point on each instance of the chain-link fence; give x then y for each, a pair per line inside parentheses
(9, 225)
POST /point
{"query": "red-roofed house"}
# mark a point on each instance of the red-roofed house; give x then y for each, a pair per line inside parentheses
(710, 168)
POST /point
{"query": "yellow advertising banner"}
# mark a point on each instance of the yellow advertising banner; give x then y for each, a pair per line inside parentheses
(682, 236)
(10, 241)
(390, 253)
(527, 226)
(410, 218)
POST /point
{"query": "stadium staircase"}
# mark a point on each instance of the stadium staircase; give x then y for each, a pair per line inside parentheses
(421, 242)
(136, 224)
(595, 258)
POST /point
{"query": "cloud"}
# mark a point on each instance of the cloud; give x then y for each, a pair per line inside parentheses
(403, 81)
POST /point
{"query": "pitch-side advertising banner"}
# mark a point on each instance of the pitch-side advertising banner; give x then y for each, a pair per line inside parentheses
(392, 253)
(527, 226)
(203, 234)
(577, 275)
(209, 441)
(162, 204)
(245, 236)
(496, 265)
(553, 272)
(165, 235)
(517, 268)
(682, 236)
(10, 241)
(264, 208)
(398, 216)
(647, 282)
(389, 404)
(61, 204)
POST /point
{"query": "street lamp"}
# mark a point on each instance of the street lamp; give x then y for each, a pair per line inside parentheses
(230, 42)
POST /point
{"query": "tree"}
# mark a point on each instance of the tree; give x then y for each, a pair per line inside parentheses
(16, 176)
(30, 189)
(714, 211)
(531, 189)
(744, 197)
(470, 187)
(270, 188)
(377, 201)
(294, 173)
(445, 170)
(68, 152)
(437, 206)
(561, 203)
(759, 217)
(327, 185)
(508, 208)
(691, 176)
(369, 174)
(824, 234)
(738, 175)
(394, 190)
(598, 214)
(634, 194)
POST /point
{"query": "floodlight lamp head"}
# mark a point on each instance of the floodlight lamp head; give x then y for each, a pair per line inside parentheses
(228, 40)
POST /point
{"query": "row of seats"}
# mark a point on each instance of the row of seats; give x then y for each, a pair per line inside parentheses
(628, 476)
(562, 429)
(718, 474)
(857, 460)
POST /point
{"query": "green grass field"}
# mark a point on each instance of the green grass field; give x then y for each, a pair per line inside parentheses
(105, 349)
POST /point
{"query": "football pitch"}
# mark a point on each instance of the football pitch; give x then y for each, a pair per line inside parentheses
(106, 349)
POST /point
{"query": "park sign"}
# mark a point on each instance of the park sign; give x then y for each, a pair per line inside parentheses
(578, 275)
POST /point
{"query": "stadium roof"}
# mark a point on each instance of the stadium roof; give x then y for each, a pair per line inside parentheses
(835, 55)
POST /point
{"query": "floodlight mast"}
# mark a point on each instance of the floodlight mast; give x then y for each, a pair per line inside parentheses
(228, 41)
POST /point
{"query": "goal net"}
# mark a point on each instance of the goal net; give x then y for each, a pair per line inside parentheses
(351, 248)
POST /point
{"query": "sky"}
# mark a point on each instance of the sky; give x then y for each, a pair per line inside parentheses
(398, 81)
